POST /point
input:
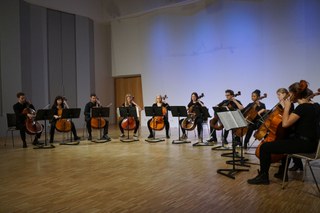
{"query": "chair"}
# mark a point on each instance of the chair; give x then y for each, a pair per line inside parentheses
(11, 123)
(308, 157)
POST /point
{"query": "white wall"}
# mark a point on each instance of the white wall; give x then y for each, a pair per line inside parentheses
(241, 45)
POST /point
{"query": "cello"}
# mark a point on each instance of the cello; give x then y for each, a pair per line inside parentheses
(33, 127)
(189, 122)
(249, 114)
(129, 123)
(98, 122)
(215, 122)
(157, 122)
(62, 124)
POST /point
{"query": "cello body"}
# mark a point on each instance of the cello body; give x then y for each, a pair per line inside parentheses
(157, 122)
(32, 127)
(128, 123)
(270, 131)
(62, 124)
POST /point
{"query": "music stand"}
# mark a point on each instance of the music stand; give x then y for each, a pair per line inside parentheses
(44, 115)
(154, 111)
(232, 120)
(203, 113)
(100, 113)
(126, 112)
(70, 113)
(179, 111)
(221, 147)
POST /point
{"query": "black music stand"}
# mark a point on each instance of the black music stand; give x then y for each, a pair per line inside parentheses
(221, 147)
(232, 120)
(126, 112)
(44, 115)
(179, 111)
(100, 113)
(154, 111)
(70, 113)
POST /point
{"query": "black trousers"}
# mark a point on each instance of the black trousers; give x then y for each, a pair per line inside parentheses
(23, 131)
(288, 146)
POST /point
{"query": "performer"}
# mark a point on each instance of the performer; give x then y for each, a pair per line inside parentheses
(59, 104)
(160, 103)
(21, 118)
(232, 103)
(260, 108)
(128, 102)
(94, 102)
(305, 119)
(195, 102)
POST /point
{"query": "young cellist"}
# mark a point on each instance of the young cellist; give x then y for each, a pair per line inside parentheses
(57, 107)
(165, 106)
(305, 119)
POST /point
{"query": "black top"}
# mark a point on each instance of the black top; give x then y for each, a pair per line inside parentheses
(308, 123)
(87, 110)
(18, 109)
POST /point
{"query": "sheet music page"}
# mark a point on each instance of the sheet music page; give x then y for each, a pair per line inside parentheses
(232, 119)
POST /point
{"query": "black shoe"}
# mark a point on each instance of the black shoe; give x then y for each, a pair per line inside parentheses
(24, 144)
(35, 142)
(280, 176)
(150, 136)
(260, 179)
(167, 136)
(76, 138)
(89, 138)
(212, 140)
(105, 137)
(296, 168)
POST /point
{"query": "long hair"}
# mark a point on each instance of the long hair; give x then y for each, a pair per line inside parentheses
(55, 103)
(126, 103)
(196, 94)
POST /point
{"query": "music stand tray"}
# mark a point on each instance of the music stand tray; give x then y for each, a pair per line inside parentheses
(70, 113)
(179, 111)
(100, 112)
(44, 115)
(153, 111)
(232, 120)
(128, 112)
(202, 112)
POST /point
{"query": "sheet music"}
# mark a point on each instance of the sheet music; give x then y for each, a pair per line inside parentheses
(232, 119)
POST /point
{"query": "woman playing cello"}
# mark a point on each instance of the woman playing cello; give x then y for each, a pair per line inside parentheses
(305, 119)
(128, 102)
(160, 103)
(195, 102)
(259, 109)
(66, 125)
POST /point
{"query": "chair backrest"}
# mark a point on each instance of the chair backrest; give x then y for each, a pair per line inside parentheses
(11, 120)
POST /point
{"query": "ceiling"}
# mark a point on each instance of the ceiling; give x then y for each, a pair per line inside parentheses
(108, 10)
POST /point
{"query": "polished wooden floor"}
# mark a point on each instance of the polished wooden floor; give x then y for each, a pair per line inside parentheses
(140, 177)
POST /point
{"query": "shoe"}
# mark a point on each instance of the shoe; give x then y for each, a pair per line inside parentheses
(35, 142)
(184, 136)
(89, 138)
(280, 176)
(150, 136)
(105, 137)
(225, 141)
(76, 138)
(260, 179)
(167, 136)
(295, 168)
(212, 140)
(135, 137)
(24, 144)
(121, 135)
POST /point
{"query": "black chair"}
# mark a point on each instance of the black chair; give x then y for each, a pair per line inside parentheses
(11, 123)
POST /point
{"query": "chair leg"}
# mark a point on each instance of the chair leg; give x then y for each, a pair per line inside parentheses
(285, 171)
(12, 138)
(314, 178)
(305, 170)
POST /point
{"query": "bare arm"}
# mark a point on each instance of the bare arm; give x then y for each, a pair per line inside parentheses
(288, 119)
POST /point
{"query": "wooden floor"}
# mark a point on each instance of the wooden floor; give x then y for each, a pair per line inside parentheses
(140, 177)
